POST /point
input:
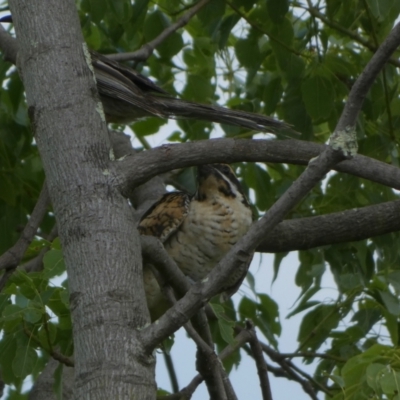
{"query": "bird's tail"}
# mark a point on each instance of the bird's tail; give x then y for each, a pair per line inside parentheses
(176, 108)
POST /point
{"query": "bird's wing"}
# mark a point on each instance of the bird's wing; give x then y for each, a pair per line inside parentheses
(165, 216)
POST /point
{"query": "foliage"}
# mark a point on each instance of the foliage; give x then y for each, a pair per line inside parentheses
(280, 58)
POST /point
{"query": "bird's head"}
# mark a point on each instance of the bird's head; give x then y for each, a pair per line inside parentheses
(218, 180)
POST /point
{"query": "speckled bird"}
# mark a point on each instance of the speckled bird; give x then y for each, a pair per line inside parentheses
(197, 231)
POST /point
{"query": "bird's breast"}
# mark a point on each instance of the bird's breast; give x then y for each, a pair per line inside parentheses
(210, 229)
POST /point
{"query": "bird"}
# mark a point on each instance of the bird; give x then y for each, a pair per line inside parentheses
(197, 231)
(127, 96)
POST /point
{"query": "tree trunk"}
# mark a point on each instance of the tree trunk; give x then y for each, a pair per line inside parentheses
(96, 225)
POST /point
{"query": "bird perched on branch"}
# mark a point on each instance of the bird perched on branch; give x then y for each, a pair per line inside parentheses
(198, 231)
(127, 95)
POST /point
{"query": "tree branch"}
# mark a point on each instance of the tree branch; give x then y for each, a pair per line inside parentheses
(340, 227)
(12, 257)
(240, 339)
(314, 172)
(169, 275)
(148, 48)
(137, 168)
(262, 368)
(353, 35)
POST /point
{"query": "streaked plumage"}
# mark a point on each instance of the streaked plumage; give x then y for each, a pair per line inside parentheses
(198, 231)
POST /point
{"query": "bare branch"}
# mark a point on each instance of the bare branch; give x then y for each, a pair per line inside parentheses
(171, 371)
(314, 355)
(340, 227)
(136, 169)
(260, 363)
(287, 368)
(186, 393)
(12, 257)
(208, 365)
(363, 83)
(147, 49)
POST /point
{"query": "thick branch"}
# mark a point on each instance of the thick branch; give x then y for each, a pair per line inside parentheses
(136, 169)
(340, 227)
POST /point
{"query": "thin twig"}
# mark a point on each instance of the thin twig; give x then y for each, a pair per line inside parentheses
(206, 353)
(262, 369)
(240, 339)
(147, 49)
(314, 355)
(12, 257)
(261, 30)
(57, 356)
(294, 372)
(357, 38)
(171, 371)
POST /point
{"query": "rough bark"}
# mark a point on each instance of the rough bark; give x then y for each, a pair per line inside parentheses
(96, 227)
(43, 389)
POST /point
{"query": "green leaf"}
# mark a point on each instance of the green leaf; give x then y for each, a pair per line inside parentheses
(317, 326)
(24, 361)
(373, 374)
(277, 10)
(32, 315)
(268, 318)
(53, 264)
(318, 95)
(380, 8)
(248, 52)
(225, 325)
(272, 95)
(390, 382)
(391, 302)
(7, 190)
(122, 9)
(47, 334)
(155, 23)
(12, 312)
(148, 126)
(98, 9)
(8, 348)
